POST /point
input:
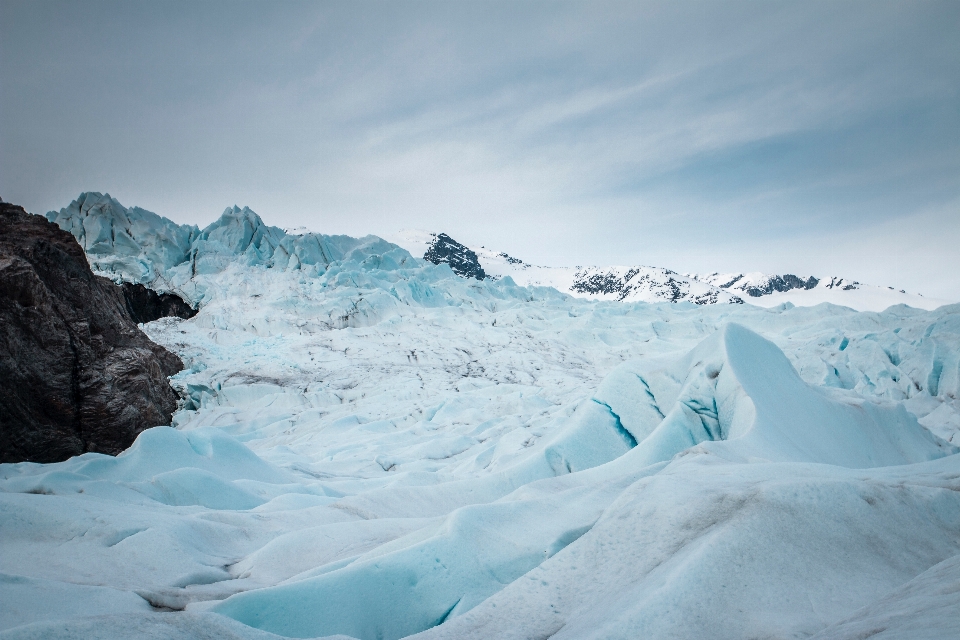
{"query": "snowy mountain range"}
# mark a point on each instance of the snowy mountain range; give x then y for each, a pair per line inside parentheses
(135, 245)
(371, 446)
(656, 284)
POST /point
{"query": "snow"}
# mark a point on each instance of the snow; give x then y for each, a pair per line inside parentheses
(656, 284)
(370, 445)
(761, 289)
(863, 298)
(630, 284)
(924, 608)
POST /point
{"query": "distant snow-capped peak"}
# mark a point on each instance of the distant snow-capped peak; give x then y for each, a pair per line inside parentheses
(629, 284)
(656, 284)
(759, 284)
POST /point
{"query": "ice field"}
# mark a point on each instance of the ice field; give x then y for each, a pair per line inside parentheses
(373, 447)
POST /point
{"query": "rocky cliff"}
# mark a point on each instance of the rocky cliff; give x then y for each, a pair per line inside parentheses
(76, 374)
(146, 305)
(462, 259)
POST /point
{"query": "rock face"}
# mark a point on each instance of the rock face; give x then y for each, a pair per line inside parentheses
(770, 284)
(146, 305)
(461, 258)
(76, 374)
(757, 285)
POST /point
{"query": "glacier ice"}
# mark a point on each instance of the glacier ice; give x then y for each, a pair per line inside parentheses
(133, 242)
(370, 445)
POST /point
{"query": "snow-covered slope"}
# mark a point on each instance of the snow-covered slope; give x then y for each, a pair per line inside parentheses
(630, 284)
(770, 291)
(380, 448)
(655, 284)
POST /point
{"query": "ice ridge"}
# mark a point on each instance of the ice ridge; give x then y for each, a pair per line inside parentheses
(138, 246)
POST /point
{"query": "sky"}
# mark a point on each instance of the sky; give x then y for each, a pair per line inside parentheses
(785, 137)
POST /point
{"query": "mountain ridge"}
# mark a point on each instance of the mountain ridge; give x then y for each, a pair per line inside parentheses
(141, 247)
(657, 284)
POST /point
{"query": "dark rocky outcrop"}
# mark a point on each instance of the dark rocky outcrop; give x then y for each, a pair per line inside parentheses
(845, 285)
(666, 283)
(76, 374)
(605, 282)
(462, 259)
(782, 283)
(146, 305)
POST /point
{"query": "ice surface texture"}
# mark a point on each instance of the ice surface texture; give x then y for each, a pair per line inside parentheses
(381, 448)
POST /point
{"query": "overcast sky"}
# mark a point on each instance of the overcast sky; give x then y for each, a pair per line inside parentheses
(802, 137)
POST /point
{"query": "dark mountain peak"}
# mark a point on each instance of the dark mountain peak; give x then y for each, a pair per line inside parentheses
(463, 261)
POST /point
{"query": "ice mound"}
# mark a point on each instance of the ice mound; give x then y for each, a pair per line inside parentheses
(204, 467)
(143, 626)
(156, 453)
(26, 599)
(741, 388)
(709, 548)
(448, 567)
(923, 609)
(438, 572)
(737, 387)
(152, 502)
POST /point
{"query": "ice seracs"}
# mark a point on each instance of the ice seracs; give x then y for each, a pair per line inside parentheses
(138, 246)
(135, 244)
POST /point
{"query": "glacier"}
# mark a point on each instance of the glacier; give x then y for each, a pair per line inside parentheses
(370, 446)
